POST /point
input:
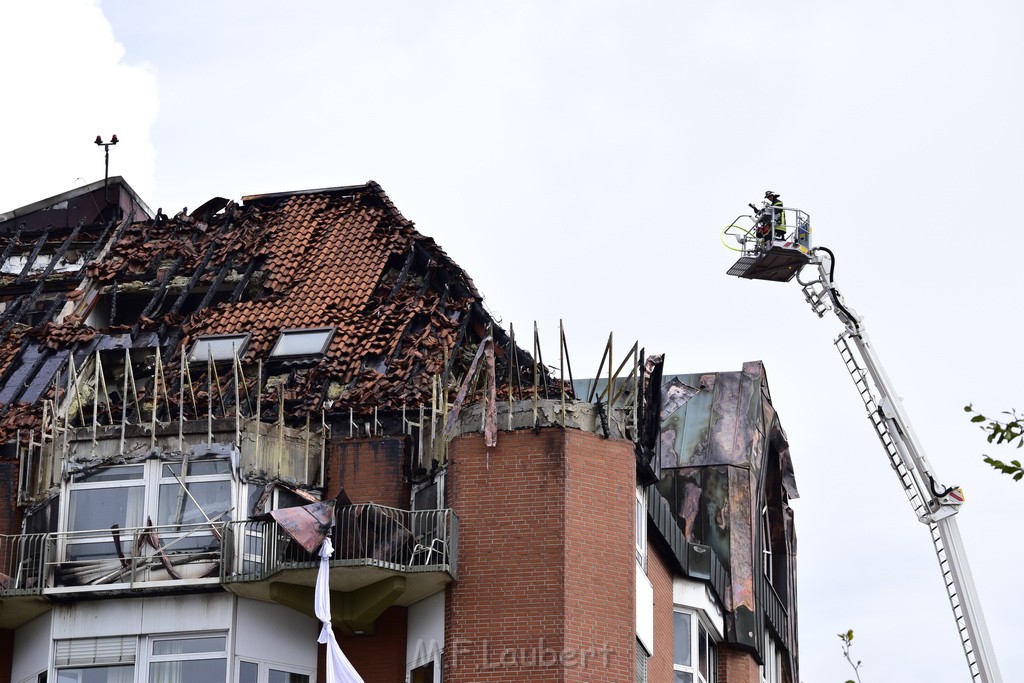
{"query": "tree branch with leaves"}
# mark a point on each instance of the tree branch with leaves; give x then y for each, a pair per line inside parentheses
(847, 639)
(1009, 431)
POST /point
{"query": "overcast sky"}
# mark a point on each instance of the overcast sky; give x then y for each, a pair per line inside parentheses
(580, 158)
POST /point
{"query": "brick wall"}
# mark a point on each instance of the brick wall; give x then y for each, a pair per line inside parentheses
(660, 665)
(600, 556)
(379, 658)
(369, 470)
(735, 666)
(545, 589)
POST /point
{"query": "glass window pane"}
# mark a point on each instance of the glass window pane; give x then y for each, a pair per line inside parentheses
(683, 677)
(183, 646)
(702, 650)
(126, 473)
(79, 552)
(302, 342)
(189, 671)
(247, 672)
(682, 639)
(221, 346)
(178, 507)
(190, 541)
(102, 508)
(286, 677)
(124, 673)
(198, 468)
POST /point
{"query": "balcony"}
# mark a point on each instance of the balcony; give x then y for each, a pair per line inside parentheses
(397, 555)
(382, 556)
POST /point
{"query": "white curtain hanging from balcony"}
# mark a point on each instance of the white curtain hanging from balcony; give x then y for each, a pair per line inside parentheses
(339, 669)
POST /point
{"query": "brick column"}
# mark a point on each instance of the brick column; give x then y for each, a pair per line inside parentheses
(735, 666)
(546, 560)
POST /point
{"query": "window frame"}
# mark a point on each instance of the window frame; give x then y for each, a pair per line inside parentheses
(641, 527)
(296, 331)
(151, 483)
(207, 339)
(767, 561)
(771, 670)
(120, 652)
(702, 641)
(207, 655)
(264, 667)
(81, 537)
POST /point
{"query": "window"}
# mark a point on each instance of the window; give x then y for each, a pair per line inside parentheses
(190, 659)
(202, 493)
(766, 545)
(640, 674)
(95, 660)
(263, 672)
(422, 674)
(771, 670)
(182, 500)
(641, 527)
(302, 342)
(695, 655)
(221, 347)
(97, 674)
(98, 500)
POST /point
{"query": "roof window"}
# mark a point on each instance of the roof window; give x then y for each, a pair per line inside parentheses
(220, 346)
(309, 342)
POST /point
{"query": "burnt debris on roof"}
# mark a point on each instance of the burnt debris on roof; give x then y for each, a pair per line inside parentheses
(329, 301)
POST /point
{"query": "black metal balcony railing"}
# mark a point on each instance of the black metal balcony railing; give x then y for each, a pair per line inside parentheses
(155, 557)
(363, 535)
(22, 559)
(775, 612)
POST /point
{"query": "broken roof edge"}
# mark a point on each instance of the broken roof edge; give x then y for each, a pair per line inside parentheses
(76, 192)
(371, 185)
(528, 414)
(319, 190)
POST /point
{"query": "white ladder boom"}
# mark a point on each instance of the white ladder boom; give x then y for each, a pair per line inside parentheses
(934, 506)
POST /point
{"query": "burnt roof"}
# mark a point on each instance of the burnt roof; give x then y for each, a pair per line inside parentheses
(342, 258)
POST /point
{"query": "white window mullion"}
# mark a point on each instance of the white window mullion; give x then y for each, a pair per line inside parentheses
(694, 648)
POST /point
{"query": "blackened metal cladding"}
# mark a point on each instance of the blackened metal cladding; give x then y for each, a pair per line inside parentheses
(650, 397)
(307, 525)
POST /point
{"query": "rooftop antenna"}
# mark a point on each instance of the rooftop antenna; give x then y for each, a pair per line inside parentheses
(106, 160)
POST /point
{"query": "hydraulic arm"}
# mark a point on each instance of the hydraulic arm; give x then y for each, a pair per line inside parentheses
(770, 257)
(934, 504)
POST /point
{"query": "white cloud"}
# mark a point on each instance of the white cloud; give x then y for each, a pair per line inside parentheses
(70, 83)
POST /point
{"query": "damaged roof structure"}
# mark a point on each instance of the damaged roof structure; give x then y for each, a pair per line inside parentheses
(189, 404)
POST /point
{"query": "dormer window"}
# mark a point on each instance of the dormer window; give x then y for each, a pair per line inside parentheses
(220, 346)
(302, 342)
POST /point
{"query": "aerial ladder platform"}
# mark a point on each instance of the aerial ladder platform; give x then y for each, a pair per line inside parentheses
(775, 244)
